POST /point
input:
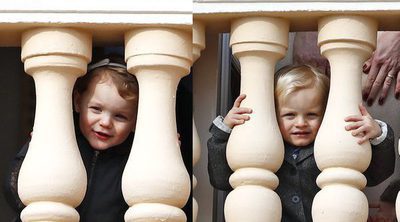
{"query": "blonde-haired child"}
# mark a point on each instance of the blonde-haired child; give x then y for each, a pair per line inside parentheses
(301, 94)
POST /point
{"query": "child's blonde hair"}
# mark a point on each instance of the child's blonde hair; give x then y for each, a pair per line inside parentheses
(290, 79)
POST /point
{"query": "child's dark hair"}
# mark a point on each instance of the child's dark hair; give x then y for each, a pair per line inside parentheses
(126, 83)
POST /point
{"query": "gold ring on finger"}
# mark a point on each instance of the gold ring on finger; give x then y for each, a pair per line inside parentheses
(390, 76)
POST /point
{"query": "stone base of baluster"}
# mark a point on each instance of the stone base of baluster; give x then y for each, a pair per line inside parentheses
(154, 212)
(340, 198)
(49, 211)
(253, 203)
(340, 203)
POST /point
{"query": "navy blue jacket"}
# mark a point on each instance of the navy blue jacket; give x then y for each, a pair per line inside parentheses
(103, 201)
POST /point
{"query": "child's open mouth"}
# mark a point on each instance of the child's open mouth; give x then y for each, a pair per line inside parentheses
(102, 136)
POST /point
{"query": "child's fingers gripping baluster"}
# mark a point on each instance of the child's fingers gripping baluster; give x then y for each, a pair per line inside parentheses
(363, 126)
(237, 115)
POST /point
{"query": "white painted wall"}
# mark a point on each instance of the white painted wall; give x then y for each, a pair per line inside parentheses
(96, 12)
(241, 6)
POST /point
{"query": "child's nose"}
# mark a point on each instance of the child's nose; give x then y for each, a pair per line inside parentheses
(105, 121)
(301, 121)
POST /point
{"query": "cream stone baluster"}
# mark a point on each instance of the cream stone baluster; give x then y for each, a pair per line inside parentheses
(346, 41)
(255, 149)
(199, 39)
(52, 180)
(199, 43)
(155, 182)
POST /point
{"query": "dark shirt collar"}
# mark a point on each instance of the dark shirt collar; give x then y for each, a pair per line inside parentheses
(302, 153)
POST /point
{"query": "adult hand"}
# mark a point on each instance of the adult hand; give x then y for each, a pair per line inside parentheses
(386, 212)
(306, 51)
(236, 116)
(382, 68)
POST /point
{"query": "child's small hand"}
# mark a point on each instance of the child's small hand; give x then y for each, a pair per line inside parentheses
(363, 126)
(236, 115)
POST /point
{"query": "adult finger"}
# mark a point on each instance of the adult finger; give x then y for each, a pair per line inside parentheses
(386, 85)
(376, 86)
(397, 87)
(373, 72)
(239, 100)
(367, 65)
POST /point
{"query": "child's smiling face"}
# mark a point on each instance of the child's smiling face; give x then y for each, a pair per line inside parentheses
(106, 119)
(300, 116)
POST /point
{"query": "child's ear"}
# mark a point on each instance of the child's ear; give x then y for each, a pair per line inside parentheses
(77, 100)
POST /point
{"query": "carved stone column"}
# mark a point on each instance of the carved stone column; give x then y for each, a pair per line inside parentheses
(52, 180)
(155, 182)
(346, 41)
(255, 149)
(199, 43)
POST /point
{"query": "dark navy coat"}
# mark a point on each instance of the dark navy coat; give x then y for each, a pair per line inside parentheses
(298, 173)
